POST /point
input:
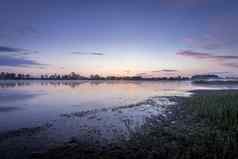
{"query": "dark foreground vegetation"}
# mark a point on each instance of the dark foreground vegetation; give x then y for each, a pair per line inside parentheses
(204, 126)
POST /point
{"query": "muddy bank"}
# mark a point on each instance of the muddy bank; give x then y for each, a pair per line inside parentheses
(78, 149)
(125, 147)
(96, 127)
(109, 124)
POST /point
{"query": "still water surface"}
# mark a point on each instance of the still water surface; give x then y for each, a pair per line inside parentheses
(36, 115)
(32, 103)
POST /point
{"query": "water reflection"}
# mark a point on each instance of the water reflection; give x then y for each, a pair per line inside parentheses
(42, 101)
(76, 83)
(83, 109)
(71, 84)
(12, 84)
(8, 96)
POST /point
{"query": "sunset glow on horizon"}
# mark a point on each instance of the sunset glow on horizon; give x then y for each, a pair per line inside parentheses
(150, 38)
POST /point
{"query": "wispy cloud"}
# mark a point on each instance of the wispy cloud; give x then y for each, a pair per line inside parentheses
(202, 55)
(219, 72)
(235, 65)
(164, 71)
(20, 51)
(13, 61)
(97, 53)
(88, 53)
(17, 57)
(226, 60)
(9, 49)
(207, 42)
(143, 74)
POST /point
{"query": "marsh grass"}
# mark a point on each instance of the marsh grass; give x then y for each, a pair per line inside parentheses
(221, 110)
(206, 128)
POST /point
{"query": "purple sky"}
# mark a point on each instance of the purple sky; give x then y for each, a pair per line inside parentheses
(119, 37)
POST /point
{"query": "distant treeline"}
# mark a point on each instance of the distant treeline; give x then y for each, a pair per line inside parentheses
(6, 75)
(75, 76)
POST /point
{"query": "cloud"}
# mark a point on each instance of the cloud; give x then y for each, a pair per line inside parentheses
(234, 65)
(207, 42)
(9, 49)
(226, 60)
(96, 53)
(89, 53)
(156, 72)
(17, 57)
(142, 74)
(196, 55)
(20, 51)
(165, 71)
(202, 55)
(14, 61)
(219, 72)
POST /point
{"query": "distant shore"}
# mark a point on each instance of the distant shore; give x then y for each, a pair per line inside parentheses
(75, 76)
(103, 79)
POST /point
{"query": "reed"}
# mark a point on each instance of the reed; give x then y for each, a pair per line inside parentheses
(221, 110)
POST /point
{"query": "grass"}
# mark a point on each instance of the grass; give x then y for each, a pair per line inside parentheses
(204, 126)
(220, 110)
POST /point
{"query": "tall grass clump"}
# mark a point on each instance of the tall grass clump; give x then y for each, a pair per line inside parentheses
(221, 110)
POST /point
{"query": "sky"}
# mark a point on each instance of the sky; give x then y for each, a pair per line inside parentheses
(119, 37)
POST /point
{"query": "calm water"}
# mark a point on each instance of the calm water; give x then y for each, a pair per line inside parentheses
(90, 111)
(85, 108)
(30, 103)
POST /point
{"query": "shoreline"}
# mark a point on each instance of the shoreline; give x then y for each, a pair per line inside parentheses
(176, 135)
(174, 126)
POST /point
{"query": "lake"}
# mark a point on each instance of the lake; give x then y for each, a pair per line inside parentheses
(88, 110)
